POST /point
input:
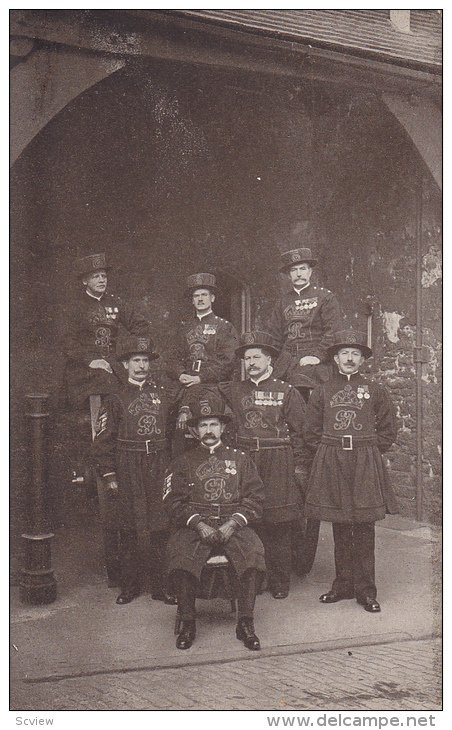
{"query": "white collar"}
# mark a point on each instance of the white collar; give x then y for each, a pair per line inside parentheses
(140, 383)
(348, 375)
(206, 314)
(213, 448)
(298, 291)
(263, 377)
(93, 296)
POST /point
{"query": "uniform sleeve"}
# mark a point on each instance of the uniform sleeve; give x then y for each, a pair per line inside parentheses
(104, 445)
(133, 320)
(275, 326)
(385, 420)
(313, 428)
(176, 356)
(70, 340)
(252, 488)
(330, 315)
(295, 416)
(176, 493)
(220, 365)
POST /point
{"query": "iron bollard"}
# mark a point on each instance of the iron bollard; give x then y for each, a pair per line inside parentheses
(37, 583)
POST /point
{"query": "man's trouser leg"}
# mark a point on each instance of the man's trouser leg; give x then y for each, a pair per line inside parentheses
(247, 594)
(129, 561)
(157, 559)
(343, 558)
(364, 559)
(185, 589)
(278, 554)
(107, 510)
(305, 545)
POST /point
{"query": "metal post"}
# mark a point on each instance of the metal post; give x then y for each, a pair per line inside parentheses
(37, 583)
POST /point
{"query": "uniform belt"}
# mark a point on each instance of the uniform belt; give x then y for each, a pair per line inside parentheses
(347, 442)
(256, 444)
(149, 447)
(215, 511)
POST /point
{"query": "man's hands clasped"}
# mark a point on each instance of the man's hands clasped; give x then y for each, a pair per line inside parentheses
(212, 536)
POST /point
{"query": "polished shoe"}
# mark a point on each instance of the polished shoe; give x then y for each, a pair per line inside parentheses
(334, 597)
(245, 633)
(280, 594)
(127, 596)
(187, 635)
(369, 604)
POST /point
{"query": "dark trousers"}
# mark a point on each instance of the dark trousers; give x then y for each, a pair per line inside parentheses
(277, 540)
(354, 556)
(187, 589)
(135, 566)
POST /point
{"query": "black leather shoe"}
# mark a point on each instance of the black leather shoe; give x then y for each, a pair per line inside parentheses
(187, 635)
(280, 594)
(245, 633)
(127, 596)
(334, 597)
(369, 604)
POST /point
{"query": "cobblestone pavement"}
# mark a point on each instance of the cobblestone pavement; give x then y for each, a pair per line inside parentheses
(398, 676)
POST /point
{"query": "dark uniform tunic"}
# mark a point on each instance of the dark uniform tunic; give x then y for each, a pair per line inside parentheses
(303, 324)
(206, 347)
(269, 419)
(91, 334)
(131, 440)
(350, 422)
(213, 483)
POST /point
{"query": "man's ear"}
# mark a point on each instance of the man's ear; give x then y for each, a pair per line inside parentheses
(336, 360)
(213, 297)
(125, 363)
(84, 282)
(222, 426)
(194, 431)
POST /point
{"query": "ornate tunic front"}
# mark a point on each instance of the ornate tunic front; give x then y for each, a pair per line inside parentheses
(214, 485)
(268, 420)
(303, 324)
(350, 422)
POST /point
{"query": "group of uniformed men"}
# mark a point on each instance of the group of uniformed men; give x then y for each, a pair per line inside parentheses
(302, 434)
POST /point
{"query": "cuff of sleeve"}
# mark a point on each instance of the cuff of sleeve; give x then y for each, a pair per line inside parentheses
(240, 519)
(194, 521)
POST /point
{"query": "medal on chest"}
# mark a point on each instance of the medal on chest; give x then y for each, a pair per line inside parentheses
(111, 313)
(210, 329)
(363, 392)
(268, 398)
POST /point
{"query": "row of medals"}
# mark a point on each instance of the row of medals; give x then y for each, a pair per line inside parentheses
(261, 398)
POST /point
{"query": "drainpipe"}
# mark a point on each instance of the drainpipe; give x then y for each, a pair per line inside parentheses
(420, 354)
(37, 583)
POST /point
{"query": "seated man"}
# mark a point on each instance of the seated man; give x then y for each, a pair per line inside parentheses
(211, 493)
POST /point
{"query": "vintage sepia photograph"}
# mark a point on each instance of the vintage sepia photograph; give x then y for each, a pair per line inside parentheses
(226, 364)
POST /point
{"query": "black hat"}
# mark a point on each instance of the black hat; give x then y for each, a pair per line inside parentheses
(208, 405)
(256, 338)
(296, 256)
(93, 262)
(135, 345)
(346, 338)
(200, 281)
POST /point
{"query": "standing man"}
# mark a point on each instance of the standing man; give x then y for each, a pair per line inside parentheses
(211, 494)
(350, 422)
(132, 452)
(91, 332)
(302, 325)
(269, 418)
(205, 351)
(92, 371)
